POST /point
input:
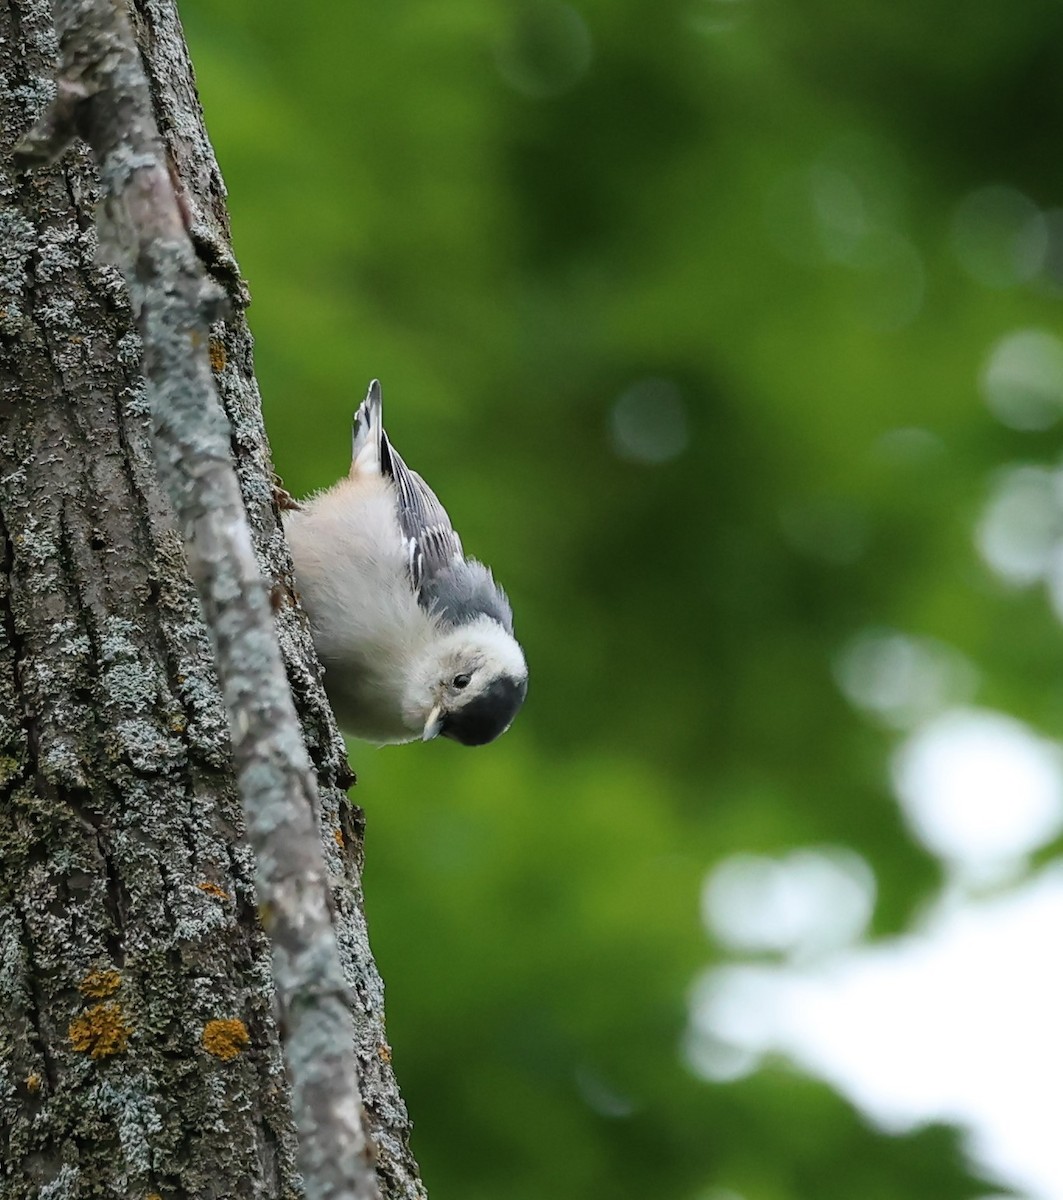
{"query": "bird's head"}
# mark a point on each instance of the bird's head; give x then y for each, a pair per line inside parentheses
(468, 685)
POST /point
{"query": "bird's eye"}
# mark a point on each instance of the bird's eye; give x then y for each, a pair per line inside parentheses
(461, 681)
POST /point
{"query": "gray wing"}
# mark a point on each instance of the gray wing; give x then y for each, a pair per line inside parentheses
(465, 590)
(431, 542)
(447, 585)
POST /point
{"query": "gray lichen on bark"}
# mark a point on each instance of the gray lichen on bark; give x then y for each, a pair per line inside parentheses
(131, 953)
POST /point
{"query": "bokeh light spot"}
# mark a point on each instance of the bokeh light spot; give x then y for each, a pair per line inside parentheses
(893, 278)
(600, 1097)
(648, 422)
(715, 16)
(1051, 278)
(999, 236)
(910, 446)
(980, 790)
(844, 207)
(838, 205)
(1022, 380)
(901, 678)
(716, 1059)
(728, 1010)
(1022, 524)
(546, 49)
(817, 215)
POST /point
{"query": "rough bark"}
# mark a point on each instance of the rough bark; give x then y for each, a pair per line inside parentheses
(140, 1052)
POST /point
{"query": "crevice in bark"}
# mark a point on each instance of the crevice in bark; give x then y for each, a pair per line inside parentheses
(39, 1040)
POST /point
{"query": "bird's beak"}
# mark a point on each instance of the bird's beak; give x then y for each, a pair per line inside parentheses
(433, 727)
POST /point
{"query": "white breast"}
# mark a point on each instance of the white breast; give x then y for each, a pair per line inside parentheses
(366, 622)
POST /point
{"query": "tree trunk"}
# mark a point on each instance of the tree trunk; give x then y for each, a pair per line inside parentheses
(139, 1055)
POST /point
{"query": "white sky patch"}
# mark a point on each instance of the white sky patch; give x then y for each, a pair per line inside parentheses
(808, 903)
(981, 790)
(957, 1022)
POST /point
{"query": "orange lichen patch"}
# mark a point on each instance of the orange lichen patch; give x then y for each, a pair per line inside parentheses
(212, 889)
(33, 1083)
(225, 1039)
(384, 1052)
(218, 357)
(98, 984)
(338, 838)
(101, 1031)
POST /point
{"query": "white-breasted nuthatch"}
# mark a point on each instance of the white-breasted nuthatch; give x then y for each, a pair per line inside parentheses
(415, 638)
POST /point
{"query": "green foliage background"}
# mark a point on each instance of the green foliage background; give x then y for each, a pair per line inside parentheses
(513, 213)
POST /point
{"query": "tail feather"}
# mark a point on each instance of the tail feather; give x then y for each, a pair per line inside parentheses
(367, 434)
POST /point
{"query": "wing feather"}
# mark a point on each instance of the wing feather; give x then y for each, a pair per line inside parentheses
(432, 545)
(455, 589)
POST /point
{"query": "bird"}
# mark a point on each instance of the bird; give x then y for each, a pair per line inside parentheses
(415, 638)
